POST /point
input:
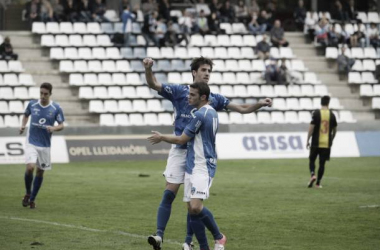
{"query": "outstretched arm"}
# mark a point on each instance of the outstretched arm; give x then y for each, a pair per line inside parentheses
(249, 108)
(150, 78)
(157, 137)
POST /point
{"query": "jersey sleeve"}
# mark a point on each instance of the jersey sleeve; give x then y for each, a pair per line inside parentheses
(334, 123)
(28, 109)
(169, 91)
(314, 117)
(220, 102)
(59, 115)
(193, 127)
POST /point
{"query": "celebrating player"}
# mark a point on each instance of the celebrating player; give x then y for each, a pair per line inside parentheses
(201, 69)
(199, 135)
(322, 129)
(44, 113)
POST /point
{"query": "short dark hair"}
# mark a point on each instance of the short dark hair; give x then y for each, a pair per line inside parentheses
(47, 86)
(198, 61)
(325, 100)
(202, 88)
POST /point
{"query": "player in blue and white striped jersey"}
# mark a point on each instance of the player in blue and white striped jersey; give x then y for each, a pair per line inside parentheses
(201, 69)
(199, 136)
(44, 113)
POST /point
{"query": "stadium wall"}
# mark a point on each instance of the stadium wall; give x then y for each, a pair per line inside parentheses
(261, 145)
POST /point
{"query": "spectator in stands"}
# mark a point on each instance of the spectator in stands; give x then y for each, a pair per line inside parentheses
(373, 36)
(300, 15)
(338, 13)
(186, 22)
(358, 37)
(215, 7)
(164, 9)
(254, 7)
(263, 19)
(321, 32)
(85, 11)
(227, 12)
(344, 64)
(310, 23)
(284, 73)
(149, 6)
(138, 13)
(122, 5)
(201, 5)
(277, 35)
(149, 28)
(58, 10)
(46, 11)
(6, 50)
(214, 24)
(254, 27)
(33, 10)
(161, 30)
(242, 12)
(334, 37)
(174, 35)
(98, 11)
(202, 24)
(263, 48)
(272, 73)
(271, 9)
(127, 17)
(351, 10)
(71, 10)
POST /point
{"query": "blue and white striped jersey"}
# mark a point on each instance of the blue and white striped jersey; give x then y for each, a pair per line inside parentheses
(201, 152)
(178, 95)
(40, 118)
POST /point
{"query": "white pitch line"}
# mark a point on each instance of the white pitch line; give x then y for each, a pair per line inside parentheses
(369, 206)
(86, 228)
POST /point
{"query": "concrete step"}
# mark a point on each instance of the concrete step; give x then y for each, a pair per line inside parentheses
(341, 91)
(328, 77)
(54, 79)
(363, 115)
(28, 54)
(80, 120)
(37, 66)
(355, 104)
(304, 52)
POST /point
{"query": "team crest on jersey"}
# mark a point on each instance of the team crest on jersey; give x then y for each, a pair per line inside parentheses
(36, 111)
(193, 190)
(169, 90)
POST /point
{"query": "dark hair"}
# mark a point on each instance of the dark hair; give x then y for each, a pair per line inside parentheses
(325, 100)
(202, 88)
(47, 86)
(198, 61)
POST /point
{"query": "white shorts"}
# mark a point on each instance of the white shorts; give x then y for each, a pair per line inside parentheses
(38, 155)
(176, 165)
(197, 186)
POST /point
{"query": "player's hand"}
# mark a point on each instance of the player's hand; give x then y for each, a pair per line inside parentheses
(148, 63)
(155, 138)
(307, 145)
(50, 129)
(267, 102)
(22, 129)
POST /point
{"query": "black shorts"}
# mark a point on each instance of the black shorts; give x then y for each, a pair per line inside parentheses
(324, 153)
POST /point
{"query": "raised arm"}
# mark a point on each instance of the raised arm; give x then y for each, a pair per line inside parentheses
(157, 137)
(150, 78)
(249, 108)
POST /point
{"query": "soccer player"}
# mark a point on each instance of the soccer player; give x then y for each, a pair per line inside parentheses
(322, 129)
(199, 135)
(201, 69)
(44, 113)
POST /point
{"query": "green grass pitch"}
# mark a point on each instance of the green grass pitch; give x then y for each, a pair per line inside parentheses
(258, 204)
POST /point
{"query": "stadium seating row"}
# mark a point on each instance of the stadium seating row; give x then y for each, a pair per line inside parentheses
(17, 107)
(11, 66)
(365, 17)
(365, 65)
(182, 78)
(376, 103)
(275, 117)
(369, 90)
(164, 53)
(16, 80)
(359, 78)
(110, 28)
(171, 65)
(357, 53)
(19, 93)
(75, 40)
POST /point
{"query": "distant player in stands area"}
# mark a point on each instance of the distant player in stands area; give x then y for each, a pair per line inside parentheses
(44, 113)
(199, 135)
(322, 129)
(201, 69)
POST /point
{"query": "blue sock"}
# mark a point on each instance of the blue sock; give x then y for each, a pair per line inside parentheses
(163, 213)
(199, 231)
(208, 220)
(189, 232)
(28, 182)
(36, 186)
